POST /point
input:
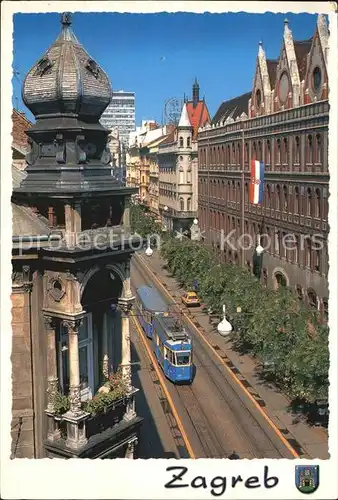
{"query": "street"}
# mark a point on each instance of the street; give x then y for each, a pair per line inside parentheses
(217, 416)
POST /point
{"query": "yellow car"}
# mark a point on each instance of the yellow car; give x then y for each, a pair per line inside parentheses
(190, 299)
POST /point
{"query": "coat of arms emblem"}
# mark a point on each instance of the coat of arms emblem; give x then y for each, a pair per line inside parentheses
(307, 478)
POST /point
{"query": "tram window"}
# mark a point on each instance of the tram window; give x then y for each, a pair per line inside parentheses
(170, 356)
(182, 358)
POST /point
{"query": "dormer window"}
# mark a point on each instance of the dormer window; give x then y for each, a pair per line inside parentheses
(93, 67)
(43, 65)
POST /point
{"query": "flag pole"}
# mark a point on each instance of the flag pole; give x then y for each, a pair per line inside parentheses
(243, 196)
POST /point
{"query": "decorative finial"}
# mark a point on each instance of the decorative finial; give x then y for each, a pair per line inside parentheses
(286, 21)
(66, 18)
(260, 43)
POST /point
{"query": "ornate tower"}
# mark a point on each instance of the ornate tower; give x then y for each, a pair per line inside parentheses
(67, 92)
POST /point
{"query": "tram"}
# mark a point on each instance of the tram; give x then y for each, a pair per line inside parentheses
(172, 344)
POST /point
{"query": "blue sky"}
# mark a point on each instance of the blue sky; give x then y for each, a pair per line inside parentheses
(157, 56)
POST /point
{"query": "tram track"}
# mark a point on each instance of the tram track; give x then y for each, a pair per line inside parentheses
(243, 428)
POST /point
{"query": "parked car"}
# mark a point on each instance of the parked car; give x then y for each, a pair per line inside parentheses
(190, 299)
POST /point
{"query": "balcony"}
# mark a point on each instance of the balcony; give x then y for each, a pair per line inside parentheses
(99, 435)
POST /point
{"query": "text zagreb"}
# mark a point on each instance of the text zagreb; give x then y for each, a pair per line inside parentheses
(218, 484)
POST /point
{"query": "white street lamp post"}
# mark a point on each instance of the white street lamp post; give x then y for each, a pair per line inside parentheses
(259, 248)
(149, 251)
(224, 328)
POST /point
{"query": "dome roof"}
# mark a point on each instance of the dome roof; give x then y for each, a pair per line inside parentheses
(66, 80)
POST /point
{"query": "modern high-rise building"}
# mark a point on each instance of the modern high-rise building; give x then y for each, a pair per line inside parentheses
(120, 114)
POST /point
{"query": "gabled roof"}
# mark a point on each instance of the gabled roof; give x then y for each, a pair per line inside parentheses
(232, 108)
(198, 116)
(272, 70)
(302, 49)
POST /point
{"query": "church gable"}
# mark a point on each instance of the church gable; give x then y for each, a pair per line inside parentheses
(316, 78)
(257, 97)
(283, 87)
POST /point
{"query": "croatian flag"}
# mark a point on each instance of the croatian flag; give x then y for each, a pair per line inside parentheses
(256, 182)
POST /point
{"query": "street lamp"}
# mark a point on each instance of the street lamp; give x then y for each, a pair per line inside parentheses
(149, 251)
(224, 328)
(195, 221)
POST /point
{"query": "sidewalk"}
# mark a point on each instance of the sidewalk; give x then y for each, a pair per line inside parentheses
(313, 441)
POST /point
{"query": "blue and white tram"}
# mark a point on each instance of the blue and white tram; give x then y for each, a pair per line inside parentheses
(172, 344)
(149, 303)
(173, 348)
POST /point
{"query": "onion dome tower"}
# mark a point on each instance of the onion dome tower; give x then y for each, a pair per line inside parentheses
(67, 92)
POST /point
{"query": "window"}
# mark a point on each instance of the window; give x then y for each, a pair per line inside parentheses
(181, 204)
(280, 280)
(182, 358)
(285, 151)
(260, 153)
(308, 202)
(276, 242)
(189, 204)
(278, 152)
(309, 152)
(317, 211)
(254, 151)
(246, 152)
(297, 150)
(317, 265)
(296, 200)
(316, 78)
(188, 142)
(285, 198)
(181, 142)
(308, 250)
(268, 153)
(233, 159)
(299, 293)
(312, 299)
(265, 278)
(318, 149)
(268, 196)
(278, 196)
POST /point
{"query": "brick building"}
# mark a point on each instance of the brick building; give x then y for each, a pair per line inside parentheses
(283, 122)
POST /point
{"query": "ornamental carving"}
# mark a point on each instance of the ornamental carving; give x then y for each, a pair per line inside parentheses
(50, 322)
(56, 288)
(72, 325)
(75, 399)
(60, 148)
(106, 156)
(80, 152)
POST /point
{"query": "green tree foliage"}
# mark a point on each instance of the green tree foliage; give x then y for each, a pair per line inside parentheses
(142, 223)
(273, 323)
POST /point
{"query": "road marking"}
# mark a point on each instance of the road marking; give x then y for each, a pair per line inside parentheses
(163, 385)
(236, 379)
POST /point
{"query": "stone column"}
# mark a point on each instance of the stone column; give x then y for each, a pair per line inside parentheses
(125, 305)
(75, 417)
(105, 368)
(53, 433)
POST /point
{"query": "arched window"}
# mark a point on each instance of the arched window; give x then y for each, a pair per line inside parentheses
(276, 242)
(189, 204)
(228, 155)
(254, 151)
(285, 198)
(312, 299)
(181, 142)
(278, 152)
(181, 204)
(278, 196)
(233, 191)
(246, 153)
(188, 142)
(246, 192)
(318, 149)
(260, 153)
(238, 194)
(280, 280)
(326, 309)
(297, 150)
(299, 293)
(228, 191)
(284, 243)
(268, 153)
(308, 202)
(309, 149)
(317, 211)
(296, 208)
(238, 160)
(268, 196)
(285, 151)
(222, 155)
(233, 159)
(316, 264)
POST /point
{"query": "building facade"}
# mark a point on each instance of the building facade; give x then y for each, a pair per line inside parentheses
(120, 114)
(283, 122)
(178, 166)
(71, 294)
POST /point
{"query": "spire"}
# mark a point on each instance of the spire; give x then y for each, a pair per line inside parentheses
(184, 120)
(195, 93)
(67, 34)
(260, 50)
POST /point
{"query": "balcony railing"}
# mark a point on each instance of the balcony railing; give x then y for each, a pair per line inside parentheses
(107, 429)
